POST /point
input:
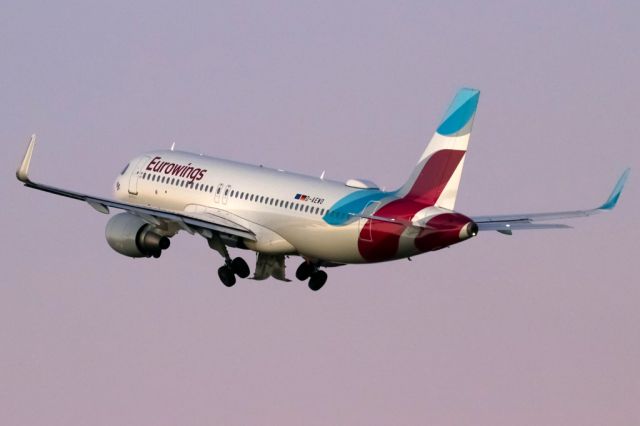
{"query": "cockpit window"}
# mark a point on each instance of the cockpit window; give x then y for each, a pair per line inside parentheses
(124, 170)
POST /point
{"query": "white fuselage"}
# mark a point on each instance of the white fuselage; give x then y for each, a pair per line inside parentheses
(285, 210)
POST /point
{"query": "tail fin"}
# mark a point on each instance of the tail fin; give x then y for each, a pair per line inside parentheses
(435, 180)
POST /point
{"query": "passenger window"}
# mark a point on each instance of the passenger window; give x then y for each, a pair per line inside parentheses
(182, 183)
(231, 194)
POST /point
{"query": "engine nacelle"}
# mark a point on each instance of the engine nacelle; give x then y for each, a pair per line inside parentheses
(131, 236)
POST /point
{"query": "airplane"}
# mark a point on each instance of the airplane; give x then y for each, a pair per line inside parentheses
(279, 214)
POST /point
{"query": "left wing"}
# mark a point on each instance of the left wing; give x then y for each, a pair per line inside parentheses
(201, 223)
(505, 224)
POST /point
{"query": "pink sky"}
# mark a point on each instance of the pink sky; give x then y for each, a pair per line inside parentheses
(540, 328)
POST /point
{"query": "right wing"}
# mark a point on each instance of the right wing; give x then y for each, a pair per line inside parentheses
(505, 224)
(203, 223)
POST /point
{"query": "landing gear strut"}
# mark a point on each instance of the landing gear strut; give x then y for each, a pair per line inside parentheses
(227, 273)
(317, 278)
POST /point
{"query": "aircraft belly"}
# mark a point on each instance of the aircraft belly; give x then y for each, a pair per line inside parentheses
(325, 242)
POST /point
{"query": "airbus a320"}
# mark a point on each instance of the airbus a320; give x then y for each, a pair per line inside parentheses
(279, 215)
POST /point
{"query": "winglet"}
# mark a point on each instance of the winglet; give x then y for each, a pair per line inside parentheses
(617, 190)
(23, 171)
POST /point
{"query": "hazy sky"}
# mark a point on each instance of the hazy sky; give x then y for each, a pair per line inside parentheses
(541, 328)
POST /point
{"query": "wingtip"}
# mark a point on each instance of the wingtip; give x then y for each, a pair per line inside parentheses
(23, 171)
(617, 190)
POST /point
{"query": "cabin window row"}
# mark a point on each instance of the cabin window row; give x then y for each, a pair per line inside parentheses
(290, 205)
(177, 182)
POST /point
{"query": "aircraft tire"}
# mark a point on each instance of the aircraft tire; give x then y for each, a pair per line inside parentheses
(304, 271)
(226, 276)
(317, 280)
(240, 267)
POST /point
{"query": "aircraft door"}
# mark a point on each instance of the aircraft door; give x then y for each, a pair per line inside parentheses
(134, 176)
(216, 198)
(225, 197)
(364, 224)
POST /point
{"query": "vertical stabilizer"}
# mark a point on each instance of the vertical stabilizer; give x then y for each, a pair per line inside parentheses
(436, 178)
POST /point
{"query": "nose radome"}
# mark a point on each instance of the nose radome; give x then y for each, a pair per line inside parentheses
(469, 230)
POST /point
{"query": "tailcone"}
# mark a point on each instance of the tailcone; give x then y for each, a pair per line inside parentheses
(468, 231)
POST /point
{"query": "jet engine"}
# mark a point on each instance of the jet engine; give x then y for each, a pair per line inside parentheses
(131, 236)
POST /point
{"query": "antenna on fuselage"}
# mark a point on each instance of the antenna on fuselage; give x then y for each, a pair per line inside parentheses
(173, 145)
(322, 175)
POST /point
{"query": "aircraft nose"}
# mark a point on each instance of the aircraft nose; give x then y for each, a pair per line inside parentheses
(469, 230)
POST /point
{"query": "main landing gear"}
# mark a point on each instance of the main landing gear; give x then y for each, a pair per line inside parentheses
(267, 266)
(227, 273)
(316, 277)
(231, 268)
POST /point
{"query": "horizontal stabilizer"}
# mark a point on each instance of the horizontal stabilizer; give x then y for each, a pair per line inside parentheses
(508, 227)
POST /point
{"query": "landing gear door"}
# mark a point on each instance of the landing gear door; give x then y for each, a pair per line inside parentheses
(134, 176)
(364, 224)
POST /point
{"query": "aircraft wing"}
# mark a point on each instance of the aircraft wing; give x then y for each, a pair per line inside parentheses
(188, 222)
(505, 224)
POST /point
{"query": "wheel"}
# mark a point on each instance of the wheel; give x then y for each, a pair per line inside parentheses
(240, 267)
(317, 280)
(226, 276)
(304, 271)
